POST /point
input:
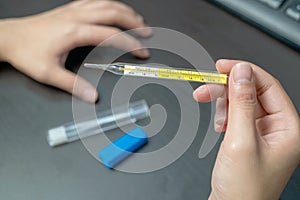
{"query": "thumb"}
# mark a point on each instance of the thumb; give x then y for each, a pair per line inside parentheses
(68, 81)
(242, 104)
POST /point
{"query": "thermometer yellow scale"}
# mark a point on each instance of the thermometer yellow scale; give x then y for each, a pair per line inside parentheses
(163, 73)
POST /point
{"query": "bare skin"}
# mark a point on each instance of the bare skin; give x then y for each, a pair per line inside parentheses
(38, 45)
(261, 147)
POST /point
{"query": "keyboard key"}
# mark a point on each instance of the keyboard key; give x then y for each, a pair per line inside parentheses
(275, 4)
(294, 11)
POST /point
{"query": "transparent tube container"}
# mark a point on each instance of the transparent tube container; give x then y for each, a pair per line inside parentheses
(105, 121)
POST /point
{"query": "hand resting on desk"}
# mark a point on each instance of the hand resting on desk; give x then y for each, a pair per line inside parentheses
(38, 45)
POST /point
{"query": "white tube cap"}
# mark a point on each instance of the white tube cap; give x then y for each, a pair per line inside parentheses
(57, 136)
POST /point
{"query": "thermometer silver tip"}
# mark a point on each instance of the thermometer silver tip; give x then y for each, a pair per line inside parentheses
(96, 66)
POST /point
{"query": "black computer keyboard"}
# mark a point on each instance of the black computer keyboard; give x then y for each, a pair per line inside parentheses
(280, 18)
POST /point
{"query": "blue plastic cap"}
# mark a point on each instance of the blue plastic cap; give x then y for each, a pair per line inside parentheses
(123, 147)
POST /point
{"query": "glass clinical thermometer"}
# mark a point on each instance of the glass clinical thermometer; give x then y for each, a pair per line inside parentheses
(152, 71)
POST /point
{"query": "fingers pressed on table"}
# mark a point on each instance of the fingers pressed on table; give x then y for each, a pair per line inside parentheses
(112, 13)
(128, 43)
(99, 5)
(127, 21)
(108, 36)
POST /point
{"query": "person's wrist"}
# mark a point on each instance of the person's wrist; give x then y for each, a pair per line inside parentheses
(233, 196)
(212, 196)
(6, 38)
(216, 196)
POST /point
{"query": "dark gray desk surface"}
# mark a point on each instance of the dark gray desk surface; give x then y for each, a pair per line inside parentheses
(29, 169)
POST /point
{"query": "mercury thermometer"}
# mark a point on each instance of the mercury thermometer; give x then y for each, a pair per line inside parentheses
(155, 71)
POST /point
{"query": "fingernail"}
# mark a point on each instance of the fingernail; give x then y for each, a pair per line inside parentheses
(200, 90)
(219, 125)
(218, 128)
(145, 31)
(222, 60)
(219, 122)
(242, 73)
(140, 18)
(90, 95)
(144, 53)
